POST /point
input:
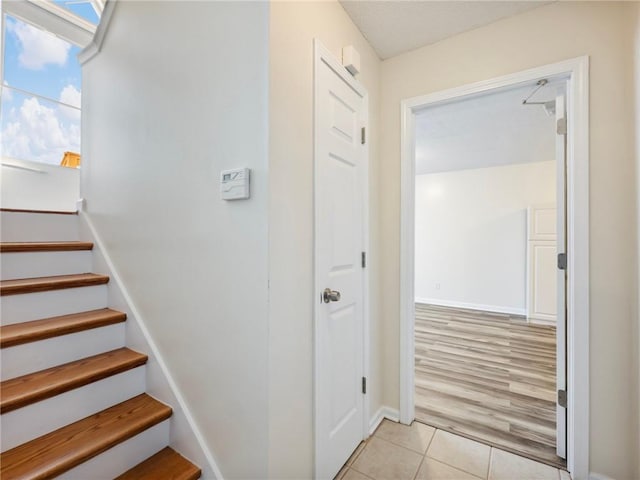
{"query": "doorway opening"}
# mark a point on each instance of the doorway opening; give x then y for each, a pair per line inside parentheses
(490, 210)
(485, 276)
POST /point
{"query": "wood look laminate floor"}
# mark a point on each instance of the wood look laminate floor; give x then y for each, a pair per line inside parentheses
(489, 377)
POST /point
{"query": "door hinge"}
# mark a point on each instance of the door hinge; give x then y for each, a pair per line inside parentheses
(562, 261)
(364, 259)
(562, 398)
(561, 126)
(364, 385)
(362, 136)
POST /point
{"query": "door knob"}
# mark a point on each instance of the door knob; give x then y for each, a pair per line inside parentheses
(330, 295)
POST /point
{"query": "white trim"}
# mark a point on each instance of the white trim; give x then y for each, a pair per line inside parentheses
(47, 99)
(541, 321)
(64, 13)
(324, 55)
(99, 248)
(20, 167)
(407, 263)
(598, 476)
(382, 413)
(366, 297)
(94, 46)
(472, 306)
(52, 18)
(577, 72)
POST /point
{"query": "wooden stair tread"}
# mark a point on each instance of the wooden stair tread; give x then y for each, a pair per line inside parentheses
(58, 282)
(49, 212)
(166, 464)
(7, 247)
(34, 387)
(58, 451)
(20, 333)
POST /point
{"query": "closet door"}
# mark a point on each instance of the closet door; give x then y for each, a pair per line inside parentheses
(541, 264)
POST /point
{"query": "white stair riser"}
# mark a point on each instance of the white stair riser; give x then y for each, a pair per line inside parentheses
(123, 456)
(34, 306)
(36, 356)
(44, 264)
(25, 424)
(38, 227)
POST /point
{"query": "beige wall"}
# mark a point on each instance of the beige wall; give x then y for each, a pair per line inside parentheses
(293, 28)
(545, 35)
(178, 93)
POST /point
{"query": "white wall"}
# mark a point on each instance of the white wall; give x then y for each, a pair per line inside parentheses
(178, 93)
(293, 27)
(471, 234)
(545, 35)
(38, 186)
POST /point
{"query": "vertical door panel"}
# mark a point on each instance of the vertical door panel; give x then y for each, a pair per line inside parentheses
(339, 169)
(561, 329)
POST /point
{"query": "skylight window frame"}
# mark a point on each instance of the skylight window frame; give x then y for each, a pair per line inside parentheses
(54, 18)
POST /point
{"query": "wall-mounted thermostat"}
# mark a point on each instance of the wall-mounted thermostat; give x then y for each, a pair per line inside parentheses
(234, 184)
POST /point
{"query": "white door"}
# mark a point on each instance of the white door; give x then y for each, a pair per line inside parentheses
(561, 331)
(340, 168)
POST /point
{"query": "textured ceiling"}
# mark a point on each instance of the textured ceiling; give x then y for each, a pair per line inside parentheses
(395, 27)
(486, 131)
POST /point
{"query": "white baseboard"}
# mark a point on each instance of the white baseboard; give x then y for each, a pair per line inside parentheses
(161, 384)
(472, 306)
(541, 321)
(598, 476)
(382, 413)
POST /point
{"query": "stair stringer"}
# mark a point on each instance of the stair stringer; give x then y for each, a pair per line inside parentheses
(185, 437)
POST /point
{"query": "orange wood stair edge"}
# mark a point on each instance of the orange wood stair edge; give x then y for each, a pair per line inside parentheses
(166, 464)
(25, 332)
(27, 389)
(10, 247)
(43, 284)
(57, 452)
(47, 212)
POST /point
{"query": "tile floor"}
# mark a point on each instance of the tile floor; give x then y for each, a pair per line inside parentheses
(420, 452)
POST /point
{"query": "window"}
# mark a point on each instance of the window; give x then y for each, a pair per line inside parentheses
(41, 90)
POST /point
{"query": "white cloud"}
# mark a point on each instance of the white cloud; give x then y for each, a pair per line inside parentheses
(37, 47)
(7, 94)
(70, 96)
(34, 132)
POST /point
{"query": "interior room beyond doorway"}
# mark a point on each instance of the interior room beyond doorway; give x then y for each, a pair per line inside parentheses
(486, 288)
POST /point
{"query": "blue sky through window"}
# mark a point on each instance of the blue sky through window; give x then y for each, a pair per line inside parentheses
(82, 8)
(33, 128)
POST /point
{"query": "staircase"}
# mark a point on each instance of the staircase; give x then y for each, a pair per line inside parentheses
(72, 398)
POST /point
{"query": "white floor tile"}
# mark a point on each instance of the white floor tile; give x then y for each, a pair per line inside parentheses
(434, 470)
(382, 460)
(461, 453)
(507, 466)
(415, 437)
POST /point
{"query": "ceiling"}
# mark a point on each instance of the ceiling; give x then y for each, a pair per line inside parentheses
(394, 27)
(486, 131)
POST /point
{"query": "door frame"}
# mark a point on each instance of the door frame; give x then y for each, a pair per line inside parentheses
(576, 72)
(324, 55)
